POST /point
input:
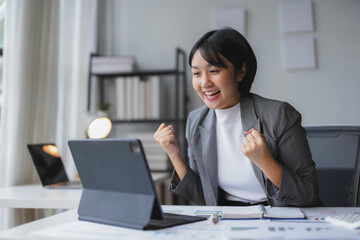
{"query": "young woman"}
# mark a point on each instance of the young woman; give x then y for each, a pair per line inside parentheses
(243, 149)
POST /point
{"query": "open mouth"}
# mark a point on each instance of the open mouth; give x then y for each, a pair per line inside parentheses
(212, 94)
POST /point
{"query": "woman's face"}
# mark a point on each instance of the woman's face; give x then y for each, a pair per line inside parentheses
(216, 86)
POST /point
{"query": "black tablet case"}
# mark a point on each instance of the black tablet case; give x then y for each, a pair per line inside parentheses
(117, 184)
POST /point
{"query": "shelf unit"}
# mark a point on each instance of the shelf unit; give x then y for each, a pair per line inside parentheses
(181, 99)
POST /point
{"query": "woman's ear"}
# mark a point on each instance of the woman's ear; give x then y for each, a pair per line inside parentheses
(241, 74)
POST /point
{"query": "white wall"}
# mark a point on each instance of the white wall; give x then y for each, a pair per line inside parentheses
(330, 94)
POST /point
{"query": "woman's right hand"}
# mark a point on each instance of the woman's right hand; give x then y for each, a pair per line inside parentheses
(165, 136)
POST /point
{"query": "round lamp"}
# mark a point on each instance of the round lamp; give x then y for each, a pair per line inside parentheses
(99, 127)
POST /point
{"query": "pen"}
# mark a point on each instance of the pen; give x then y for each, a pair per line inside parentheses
(214, 218)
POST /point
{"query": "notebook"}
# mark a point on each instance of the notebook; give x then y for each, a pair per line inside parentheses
(118, 187)
(49, 166)
(261, 211)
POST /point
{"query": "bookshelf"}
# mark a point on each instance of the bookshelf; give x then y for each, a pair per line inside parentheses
(180, 101)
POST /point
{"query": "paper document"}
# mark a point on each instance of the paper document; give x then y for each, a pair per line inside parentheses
(283, 212)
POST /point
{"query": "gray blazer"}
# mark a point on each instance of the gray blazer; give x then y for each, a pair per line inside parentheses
(281, 125)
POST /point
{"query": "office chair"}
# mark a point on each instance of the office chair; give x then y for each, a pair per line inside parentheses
(335, 150)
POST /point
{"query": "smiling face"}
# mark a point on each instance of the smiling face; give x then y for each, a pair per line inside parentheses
(217, 86)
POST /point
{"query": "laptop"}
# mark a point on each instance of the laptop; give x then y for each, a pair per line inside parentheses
(118, 187)
(49, 166)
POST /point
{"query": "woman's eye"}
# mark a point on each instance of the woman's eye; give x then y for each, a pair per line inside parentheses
(196, 74)
(214, 71)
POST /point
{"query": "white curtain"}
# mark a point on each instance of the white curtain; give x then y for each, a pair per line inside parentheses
(108, 44)
(109, 25)
(46, 52)
(77, 40)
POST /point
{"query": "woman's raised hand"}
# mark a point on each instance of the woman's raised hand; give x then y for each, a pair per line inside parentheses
(165, 136)
(255, 147)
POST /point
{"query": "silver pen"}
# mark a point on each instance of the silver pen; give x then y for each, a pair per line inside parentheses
(214, 218)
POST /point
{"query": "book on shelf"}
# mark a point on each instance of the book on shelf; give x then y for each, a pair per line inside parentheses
(261, 211)
(114, 91)
(129, 98)
(154, 97)
(142, 99)
(120, 103)
(137, 99)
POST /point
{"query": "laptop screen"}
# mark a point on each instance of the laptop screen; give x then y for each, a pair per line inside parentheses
(48, 163)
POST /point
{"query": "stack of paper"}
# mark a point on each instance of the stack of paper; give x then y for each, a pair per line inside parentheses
(104, 65)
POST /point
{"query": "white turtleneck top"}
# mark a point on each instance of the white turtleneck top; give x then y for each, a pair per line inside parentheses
(235, 173)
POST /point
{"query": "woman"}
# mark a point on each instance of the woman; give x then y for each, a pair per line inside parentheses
(243, 149)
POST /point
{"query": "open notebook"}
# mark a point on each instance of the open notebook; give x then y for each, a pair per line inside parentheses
(118, 186)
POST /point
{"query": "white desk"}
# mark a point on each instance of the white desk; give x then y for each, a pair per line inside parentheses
(66, 226)
(35, 196)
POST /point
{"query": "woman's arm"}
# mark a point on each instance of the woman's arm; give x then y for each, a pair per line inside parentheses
(296, 183)
(185, 180)
(299, 184)
(165, 136)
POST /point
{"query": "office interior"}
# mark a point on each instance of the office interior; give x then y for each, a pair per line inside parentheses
(46, 70)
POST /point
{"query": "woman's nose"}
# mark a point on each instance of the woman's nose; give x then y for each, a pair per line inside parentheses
(205, 81)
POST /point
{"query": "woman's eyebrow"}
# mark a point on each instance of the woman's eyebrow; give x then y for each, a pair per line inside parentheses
(208, 66)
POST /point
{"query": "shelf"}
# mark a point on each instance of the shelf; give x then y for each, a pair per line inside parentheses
(114, 121)
(138, 73)
(178, 118)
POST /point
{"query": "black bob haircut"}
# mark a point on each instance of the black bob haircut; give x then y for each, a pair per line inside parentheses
(230, 44)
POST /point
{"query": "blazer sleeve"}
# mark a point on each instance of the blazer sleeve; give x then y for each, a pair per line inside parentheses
(190, 186)
(299, 185)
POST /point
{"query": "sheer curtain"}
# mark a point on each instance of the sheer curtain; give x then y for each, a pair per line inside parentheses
(78, 31)
(46, 51)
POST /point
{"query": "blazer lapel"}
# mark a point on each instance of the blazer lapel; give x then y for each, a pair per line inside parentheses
(250, 120)
(209, 156)
(248, 115)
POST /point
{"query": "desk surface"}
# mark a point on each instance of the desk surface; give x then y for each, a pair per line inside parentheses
(66, 226)
(35, 196)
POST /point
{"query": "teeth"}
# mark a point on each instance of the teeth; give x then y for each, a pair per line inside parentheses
(211, 93)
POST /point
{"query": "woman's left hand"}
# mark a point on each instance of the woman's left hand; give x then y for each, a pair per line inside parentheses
(255, 147)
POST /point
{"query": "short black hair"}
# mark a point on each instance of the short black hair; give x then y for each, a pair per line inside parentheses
(230, 44)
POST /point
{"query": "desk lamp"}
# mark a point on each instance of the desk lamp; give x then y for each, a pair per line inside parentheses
(99, 125)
